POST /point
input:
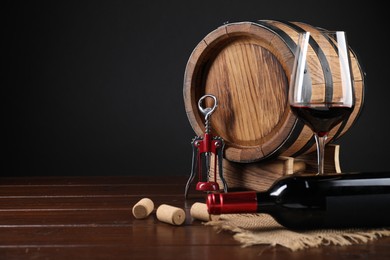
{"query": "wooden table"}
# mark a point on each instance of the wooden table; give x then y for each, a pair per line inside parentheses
(90, 218)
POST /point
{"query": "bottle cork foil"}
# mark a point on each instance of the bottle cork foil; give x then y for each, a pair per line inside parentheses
(170, 214)
(143, 208)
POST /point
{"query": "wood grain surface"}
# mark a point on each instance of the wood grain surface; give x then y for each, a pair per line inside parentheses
(90, 218)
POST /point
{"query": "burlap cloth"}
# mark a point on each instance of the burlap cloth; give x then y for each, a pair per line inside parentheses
(256, 229)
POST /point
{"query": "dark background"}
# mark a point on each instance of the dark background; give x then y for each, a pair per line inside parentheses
(95, 87)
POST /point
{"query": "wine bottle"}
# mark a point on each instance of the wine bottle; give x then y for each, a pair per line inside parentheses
(341, 200)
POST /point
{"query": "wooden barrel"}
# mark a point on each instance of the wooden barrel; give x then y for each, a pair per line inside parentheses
(247, 66)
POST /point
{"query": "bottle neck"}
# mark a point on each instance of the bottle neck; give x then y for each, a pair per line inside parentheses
(265, 202)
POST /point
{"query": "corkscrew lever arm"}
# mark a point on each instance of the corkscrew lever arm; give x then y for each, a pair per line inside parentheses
(220, 166)
(193, 166)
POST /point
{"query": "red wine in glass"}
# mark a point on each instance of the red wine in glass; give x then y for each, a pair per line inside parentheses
(321, 119)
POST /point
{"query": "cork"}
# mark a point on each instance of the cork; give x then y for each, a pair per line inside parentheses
(199, 211)
(143, 208)
(170, 214)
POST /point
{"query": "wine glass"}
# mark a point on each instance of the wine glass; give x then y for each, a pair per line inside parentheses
(321, 98)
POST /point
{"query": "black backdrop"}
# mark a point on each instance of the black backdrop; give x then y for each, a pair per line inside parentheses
(95, 87)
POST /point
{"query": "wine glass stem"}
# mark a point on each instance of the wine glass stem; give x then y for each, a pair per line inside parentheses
(320, 141)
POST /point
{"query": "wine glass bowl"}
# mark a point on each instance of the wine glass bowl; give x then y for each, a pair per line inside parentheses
(321, 87)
